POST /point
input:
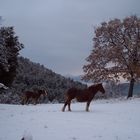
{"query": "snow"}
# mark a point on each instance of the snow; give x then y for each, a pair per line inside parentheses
(3, 86)
(107, 120)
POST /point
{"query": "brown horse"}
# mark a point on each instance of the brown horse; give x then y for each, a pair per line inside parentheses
(85, 95)
(33, 96)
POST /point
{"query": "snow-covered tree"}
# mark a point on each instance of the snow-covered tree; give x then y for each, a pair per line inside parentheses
(9, 50)
(116, 52)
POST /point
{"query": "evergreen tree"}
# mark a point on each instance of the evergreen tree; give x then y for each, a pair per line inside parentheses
(9, 50)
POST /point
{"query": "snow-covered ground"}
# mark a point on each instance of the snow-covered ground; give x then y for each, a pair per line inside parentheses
(107, 120)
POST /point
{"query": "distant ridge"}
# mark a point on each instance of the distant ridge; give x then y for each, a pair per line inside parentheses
(77, 78)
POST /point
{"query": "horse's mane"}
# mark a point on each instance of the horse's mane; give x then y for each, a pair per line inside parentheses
(95, 85)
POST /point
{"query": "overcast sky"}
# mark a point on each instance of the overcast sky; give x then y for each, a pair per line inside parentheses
(58, 33)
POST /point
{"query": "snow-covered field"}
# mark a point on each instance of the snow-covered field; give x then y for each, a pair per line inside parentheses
(107, 120)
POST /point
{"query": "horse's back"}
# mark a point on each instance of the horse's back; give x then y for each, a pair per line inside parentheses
(29, 94)
(72, 92)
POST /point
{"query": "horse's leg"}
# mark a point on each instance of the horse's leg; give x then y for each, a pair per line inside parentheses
(36, 100)
(65, 104)
(68, 101)
(22, 102)
(69, 109)
(27, 100)
(87, 106)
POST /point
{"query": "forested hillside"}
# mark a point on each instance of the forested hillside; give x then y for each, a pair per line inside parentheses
(31, 76)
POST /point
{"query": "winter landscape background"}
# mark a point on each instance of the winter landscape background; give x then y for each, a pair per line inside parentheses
(51, 45)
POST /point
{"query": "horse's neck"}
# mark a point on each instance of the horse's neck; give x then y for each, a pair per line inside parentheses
(94, 90)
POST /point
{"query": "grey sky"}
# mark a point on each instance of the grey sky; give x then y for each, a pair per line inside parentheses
(58, 33)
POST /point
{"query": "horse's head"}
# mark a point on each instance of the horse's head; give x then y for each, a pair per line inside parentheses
(43, 92)
(101, 88)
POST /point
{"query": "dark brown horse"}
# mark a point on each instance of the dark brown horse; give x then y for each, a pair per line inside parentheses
(85, 95)
(30, 95)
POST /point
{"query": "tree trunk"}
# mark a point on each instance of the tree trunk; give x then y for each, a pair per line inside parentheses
(131, 86)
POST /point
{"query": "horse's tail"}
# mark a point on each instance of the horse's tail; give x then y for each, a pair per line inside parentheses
(65, 96)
